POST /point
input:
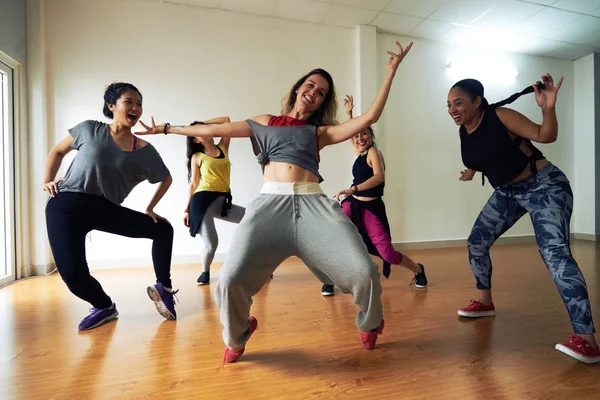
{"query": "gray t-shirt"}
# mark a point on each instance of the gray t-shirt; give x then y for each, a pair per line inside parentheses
(102, 168)
(298, 145)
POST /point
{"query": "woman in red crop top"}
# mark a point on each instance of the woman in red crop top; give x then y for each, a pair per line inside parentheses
(497, 142)
(292, 216)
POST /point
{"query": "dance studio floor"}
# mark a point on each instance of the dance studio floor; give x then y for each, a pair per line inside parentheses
(306, 346)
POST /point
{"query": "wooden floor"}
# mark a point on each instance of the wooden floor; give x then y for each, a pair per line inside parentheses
(306, 346)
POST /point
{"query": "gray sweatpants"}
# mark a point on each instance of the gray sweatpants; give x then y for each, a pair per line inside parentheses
(208, 231)
(309, 226)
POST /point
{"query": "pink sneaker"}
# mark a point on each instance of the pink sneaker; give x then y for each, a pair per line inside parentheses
(368, 339)
(579, 349)
(477, 309)
(229, 355)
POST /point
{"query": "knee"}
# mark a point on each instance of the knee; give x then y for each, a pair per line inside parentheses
(559, 260)
(164, 230)
(477, 244)
(71, 276)
(210, 246)
(368, 275)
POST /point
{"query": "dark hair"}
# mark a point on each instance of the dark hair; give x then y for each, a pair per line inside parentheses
(327, 113)
(191, 148)
(113, 92)
(474, 89)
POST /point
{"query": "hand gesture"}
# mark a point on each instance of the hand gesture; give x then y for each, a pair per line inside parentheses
(349, 104)
(155, 217)
(186, 219)
(52, 187)
(466, 175)
(546, 97)
(345, 192)
(396, 59)
(151, 130)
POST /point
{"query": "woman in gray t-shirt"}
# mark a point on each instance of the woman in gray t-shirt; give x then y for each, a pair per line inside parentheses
(110, 162)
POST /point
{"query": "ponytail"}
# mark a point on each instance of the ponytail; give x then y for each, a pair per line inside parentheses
(474, 88)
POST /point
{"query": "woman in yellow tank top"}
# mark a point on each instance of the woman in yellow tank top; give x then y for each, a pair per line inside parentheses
(210, 195)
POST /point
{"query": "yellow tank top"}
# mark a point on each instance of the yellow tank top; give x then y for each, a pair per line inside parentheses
(214, 173)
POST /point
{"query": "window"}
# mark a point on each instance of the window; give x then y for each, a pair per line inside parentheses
(7, 237)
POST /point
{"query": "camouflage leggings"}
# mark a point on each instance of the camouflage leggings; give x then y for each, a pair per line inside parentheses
(548, 199)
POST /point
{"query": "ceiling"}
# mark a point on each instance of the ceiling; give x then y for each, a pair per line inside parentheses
(567, 29)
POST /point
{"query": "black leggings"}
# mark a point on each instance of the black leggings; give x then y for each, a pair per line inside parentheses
(70, 216)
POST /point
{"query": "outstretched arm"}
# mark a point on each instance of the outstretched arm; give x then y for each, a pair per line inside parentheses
(231, 129)
(338, 133)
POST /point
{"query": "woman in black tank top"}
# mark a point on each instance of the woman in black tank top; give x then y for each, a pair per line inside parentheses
(363, 204)
(497, 142)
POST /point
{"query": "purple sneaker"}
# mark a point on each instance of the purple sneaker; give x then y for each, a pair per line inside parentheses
(163, 300)
(98, 316)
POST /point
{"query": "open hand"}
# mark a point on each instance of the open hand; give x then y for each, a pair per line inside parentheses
(151, 130)
(396, 59)
(546, 97)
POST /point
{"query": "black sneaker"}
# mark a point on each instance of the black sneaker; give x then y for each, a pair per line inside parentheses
(327, 290)
(420, 280)
(203, 279)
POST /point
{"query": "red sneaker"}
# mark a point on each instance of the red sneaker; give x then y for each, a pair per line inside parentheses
(477, 309)
(579, 349)
(229, 355)
(368, 339)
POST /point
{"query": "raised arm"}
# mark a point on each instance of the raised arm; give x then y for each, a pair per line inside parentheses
(55, 158)
(338, 133)
(520, 125)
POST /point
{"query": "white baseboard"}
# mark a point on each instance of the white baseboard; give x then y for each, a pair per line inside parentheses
(37, 270)
(147, 261)
(585, 236)
(439, 244)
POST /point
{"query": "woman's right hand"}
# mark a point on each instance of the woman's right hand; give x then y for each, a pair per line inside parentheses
(349, 104)
(186, 219)
(151, 130)
(52, 187)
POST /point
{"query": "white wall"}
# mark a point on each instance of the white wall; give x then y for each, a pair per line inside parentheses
(425, 200)
(584, 182)
(189, 63)
(193, 63)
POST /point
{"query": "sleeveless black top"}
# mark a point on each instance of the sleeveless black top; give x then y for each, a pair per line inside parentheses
(491, 150)
(361, 171)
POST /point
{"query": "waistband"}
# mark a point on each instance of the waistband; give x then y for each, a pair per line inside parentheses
(301, 188)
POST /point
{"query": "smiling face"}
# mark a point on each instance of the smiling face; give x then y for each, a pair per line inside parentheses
(311, 95)
(461, 107)
(363, 140)
(128, 108)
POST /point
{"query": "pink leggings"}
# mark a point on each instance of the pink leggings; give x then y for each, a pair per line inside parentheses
(377, 234)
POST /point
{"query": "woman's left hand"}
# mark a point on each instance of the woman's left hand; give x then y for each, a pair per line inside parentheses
(396, 59)
(546, 97)
(151, 130)
(155, 217)
(345, 192)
